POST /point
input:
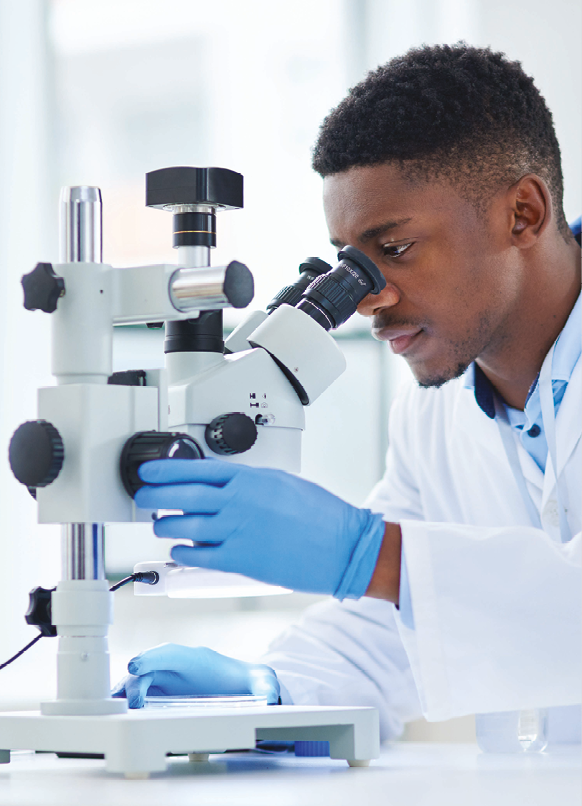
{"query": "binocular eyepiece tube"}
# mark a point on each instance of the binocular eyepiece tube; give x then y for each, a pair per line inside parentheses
(331, 295)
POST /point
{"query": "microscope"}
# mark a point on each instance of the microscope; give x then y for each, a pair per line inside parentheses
(239, 400)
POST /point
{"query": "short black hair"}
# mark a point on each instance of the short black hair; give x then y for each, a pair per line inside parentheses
(452, 111)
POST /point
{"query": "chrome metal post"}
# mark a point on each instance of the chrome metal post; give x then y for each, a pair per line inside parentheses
(194, 257)
(81, 217)
(83, 551)
(81, 241)
(200, 289)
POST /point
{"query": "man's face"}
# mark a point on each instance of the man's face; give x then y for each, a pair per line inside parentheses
(451, 278)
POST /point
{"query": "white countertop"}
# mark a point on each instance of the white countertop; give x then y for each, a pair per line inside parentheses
(407, 774)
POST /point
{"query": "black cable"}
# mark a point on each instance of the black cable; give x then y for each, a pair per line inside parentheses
(22, 651)
(148, 577)
(122, 583)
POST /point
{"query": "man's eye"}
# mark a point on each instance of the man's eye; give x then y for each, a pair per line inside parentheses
(395, 250)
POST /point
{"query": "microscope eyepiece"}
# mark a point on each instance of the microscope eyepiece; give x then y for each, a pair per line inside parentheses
(333, 297)
(311, 268)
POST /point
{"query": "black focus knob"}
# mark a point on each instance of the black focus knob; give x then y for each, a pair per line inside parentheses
(231, 433)
(39, 613)
(42, 288)
(36, 453)
(145, 446)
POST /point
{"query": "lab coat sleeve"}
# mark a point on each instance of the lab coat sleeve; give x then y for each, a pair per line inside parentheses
(348, 653)
(496, 609)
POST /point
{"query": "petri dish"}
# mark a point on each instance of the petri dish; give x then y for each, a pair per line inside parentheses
(206, 701)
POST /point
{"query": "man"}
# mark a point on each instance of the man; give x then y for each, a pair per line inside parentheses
(443, 167)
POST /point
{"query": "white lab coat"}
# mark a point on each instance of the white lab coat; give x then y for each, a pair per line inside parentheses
(496, 602)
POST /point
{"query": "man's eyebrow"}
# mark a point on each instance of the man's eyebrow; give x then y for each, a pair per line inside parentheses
(369, 234)
(381, 229)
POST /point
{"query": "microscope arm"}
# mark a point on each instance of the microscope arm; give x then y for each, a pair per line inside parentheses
(166, 293)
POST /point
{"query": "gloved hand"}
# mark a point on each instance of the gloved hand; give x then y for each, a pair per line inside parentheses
(171, 669)
(266, 524)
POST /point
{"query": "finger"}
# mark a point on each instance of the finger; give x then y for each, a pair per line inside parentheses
(169, 471)
(118, 689)
(188, 497)
(136, 689)
(162, 658)
(200, 528)
(202, 557)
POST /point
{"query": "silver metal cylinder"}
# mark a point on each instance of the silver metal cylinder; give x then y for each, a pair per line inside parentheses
(198, 289)
(194, 257)
(211, 288)
(83, 547)
(81, 224)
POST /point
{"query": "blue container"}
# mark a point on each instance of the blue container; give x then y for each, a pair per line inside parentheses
(312, 749)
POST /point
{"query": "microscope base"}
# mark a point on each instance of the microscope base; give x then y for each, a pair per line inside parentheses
(136, 743)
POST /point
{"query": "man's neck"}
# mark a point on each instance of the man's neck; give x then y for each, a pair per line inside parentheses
(515, 364)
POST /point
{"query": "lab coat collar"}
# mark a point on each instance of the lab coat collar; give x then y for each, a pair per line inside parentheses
(568, 429)
(484, 430)
(476, 380)
(566, 357)
(568, 433)
(568, 420)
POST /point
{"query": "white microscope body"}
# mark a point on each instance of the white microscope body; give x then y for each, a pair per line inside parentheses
(72, 458)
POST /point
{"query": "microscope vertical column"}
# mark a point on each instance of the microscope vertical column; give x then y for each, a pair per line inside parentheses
(82, 609)
(82, 606)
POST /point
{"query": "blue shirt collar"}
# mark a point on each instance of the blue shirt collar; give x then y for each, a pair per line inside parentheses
(566, 356)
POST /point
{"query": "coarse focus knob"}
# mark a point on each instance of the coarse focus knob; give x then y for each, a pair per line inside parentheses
(39, 613)
(36, 453)
(231, 433)
(42, 288)
(145, 446)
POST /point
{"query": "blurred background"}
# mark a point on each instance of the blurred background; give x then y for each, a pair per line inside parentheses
(99, 92)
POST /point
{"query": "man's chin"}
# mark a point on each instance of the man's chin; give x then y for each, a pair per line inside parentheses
(437, 377)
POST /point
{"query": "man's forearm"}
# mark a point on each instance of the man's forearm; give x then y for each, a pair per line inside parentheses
(385, 582)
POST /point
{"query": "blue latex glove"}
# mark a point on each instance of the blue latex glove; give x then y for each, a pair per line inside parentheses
(172, 669)
(266, 524)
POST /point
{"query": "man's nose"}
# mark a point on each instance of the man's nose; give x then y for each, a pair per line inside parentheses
(387, 298)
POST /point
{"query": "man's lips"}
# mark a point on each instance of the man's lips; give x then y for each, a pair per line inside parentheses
(399, 338)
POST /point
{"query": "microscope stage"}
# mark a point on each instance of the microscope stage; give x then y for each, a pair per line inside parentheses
(136, 743)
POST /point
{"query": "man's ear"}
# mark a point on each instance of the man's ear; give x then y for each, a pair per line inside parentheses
(530, 210)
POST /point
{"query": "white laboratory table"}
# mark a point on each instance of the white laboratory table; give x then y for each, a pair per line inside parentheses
(406, 774)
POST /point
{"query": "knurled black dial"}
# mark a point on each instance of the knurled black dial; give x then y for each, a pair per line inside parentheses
(231, 433)
(39, 613)
(145, 446)
(42, 288)
(36, 453)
